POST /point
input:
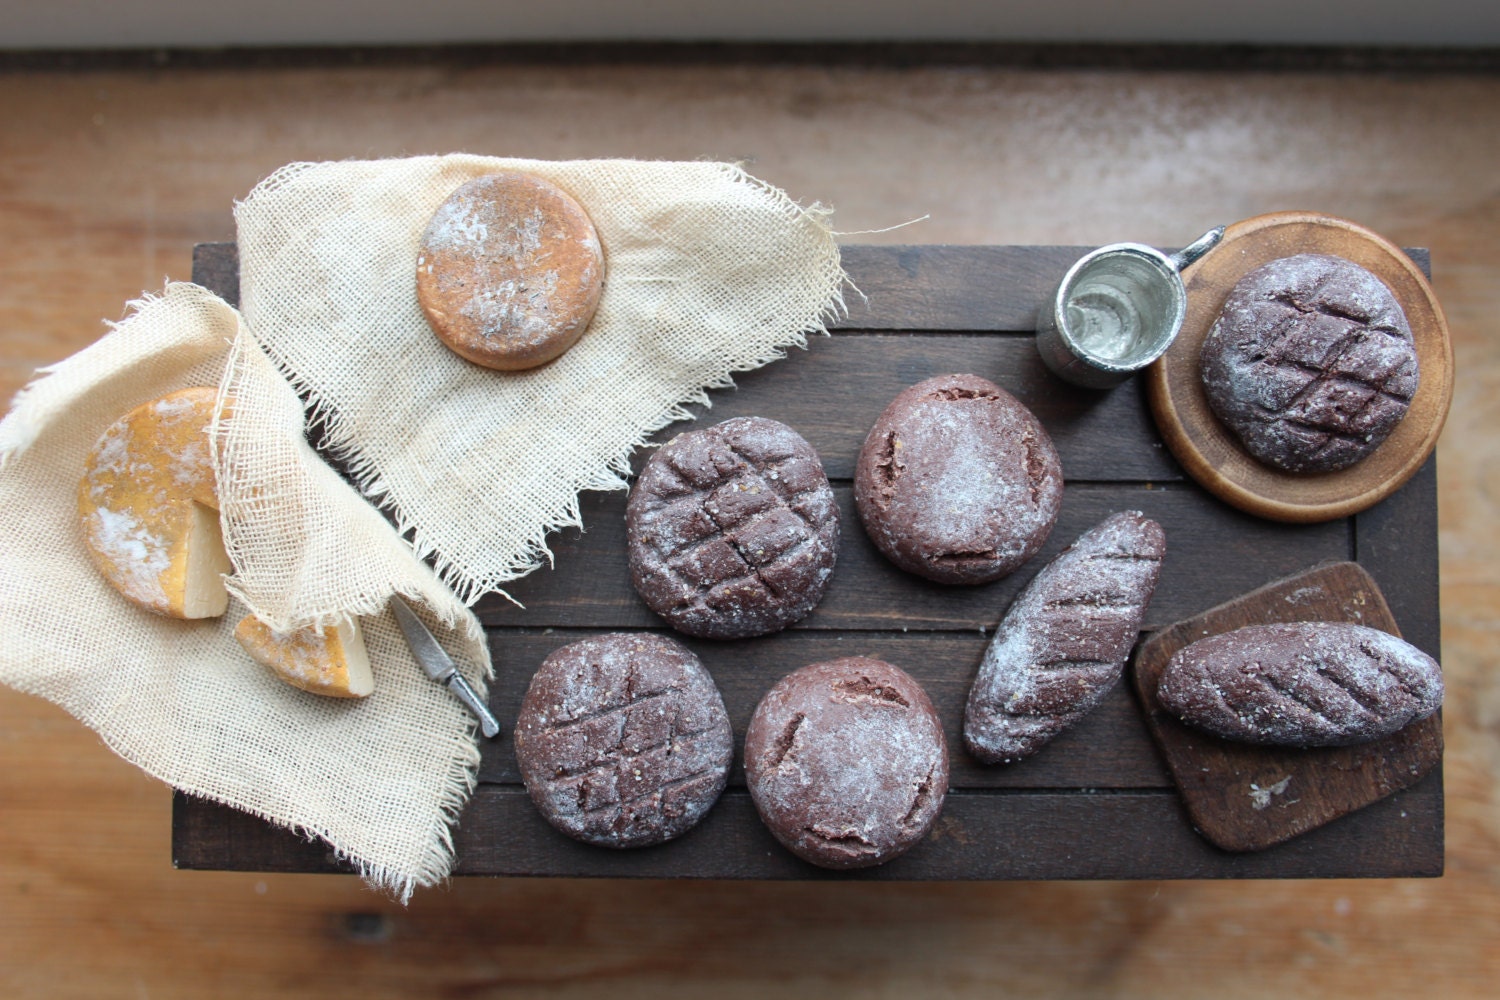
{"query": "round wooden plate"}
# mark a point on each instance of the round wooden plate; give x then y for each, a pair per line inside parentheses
(1214, 457)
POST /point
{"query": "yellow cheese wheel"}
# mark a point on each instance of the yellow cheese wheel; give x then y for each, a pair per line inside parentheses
(330, 662)
(148, 507)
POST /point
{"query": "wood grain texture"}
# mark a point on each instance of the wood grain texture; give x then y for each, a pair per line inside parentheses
(1248, 798)
(1108, 749)
(1215, 554)
(1042, 835)
(1214, 456)
(109, 176)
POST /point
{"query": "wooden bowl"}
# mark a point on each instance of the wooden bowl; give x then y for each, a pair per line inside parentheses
(1213, 456)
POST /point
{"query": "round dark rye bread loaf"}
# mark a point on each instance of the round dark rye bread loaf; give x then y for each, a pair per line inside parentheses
(732, 530)
(846, 762)
(958, 481)
(1311, 363)
(623, 740)
(509, 271)
(1064, 641)
(1301, 684)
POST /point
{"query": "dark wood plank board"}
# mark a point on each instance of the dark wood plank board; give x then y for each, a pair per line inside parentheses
(1213, 554)
(1098, 803)
(1108, 749)
(1244, 797)
(1036, 835)
(838, 386)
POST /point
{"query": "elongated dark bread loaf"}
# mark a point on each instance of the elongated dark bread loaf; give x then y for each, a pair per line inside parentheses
(1301, 684)
(1062, 644)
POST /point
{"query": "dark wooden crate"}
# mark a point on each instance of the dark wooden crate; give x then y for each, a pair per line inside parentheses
(1098, 802)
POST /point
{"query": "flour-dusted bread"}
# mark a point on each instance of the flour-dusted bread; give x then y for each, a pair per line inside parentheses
(1064, 641)
(510, 271)
(1311, 363)
(732, 530)
(1301, 684)
(148, 507)
(846, 762)
(958, 481)
(623, 740)
(331, 661)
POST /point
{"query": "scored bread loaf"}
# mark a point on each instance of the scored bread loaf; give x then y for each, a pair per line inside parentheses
(1301, 684)
(1064, 641)
(1311, 363)
(732, 530)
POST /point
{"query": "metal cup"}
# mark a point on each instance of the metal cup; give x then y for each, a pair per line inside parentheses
(1117, 310)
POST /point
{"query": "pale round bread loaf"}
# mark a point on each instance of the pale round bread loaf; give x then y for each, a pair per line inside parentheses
(510, 271)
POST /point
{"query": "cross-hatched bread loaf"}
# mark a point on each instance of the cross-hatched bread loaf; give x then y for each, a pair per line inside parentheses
(623, 740)
(331, 661)
(1064, 641)
(148, 506)
(1301, 684)
(1311, 363)
(732, 530)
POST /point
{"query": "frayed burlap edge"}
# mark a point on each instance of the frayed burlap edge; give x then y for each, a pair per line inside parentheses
(610, 474)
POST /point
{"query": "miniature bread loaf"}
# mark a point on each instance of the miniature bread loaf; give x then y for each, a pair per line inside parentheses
(148, 506)
(1301, 684)
(732, 530)
(847, 762)
(330, 661)
(958, 481)
(509, 271)
(1065, 639)
(1311, 363)
(623, 740)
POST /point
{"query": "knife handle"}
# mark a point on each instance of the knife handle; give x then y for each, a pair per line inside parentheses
(466, 694)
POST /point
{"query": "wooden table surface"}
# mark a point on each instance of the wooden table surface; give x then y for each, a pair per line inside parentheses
(1100, 791)
(108, 177)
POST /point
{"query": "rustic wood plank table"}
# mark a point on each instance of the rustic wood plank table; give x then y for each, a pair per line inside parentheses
(1097, 803)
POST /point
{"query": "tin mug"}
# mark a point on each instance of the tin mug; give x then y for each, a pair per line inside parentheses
(1116, 310)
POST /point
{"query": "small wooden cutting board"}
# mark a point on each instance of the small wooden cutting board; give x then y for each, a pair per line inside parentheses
(1213, 456)
(1244, 797)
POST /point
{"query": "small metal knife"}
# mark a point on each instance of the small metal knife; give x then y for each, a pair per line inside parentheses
(439, 665)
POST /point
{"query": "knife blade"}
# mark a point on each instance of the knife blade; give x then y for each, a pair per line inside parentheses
(439, 665)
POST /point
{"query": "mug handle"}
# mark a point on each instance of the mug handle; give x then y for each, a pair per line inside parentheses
(1202, 245)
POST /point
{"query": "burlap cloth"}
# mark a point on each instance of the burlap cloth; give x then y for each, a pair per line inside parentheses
(707, 272)
(379, 779)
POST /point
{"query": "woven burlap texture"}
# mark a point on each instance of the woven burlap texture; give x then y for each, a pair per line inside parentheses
(707, 272)
(380, 779)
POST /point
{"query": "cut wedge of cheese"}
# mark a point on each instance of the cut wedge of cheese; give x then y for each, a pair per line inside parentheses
(330, 662)
(148, 506)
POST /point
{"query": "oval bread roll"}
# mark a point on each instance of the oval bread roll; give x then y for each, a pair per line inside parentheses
(1301, 684)
(1065, 639)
